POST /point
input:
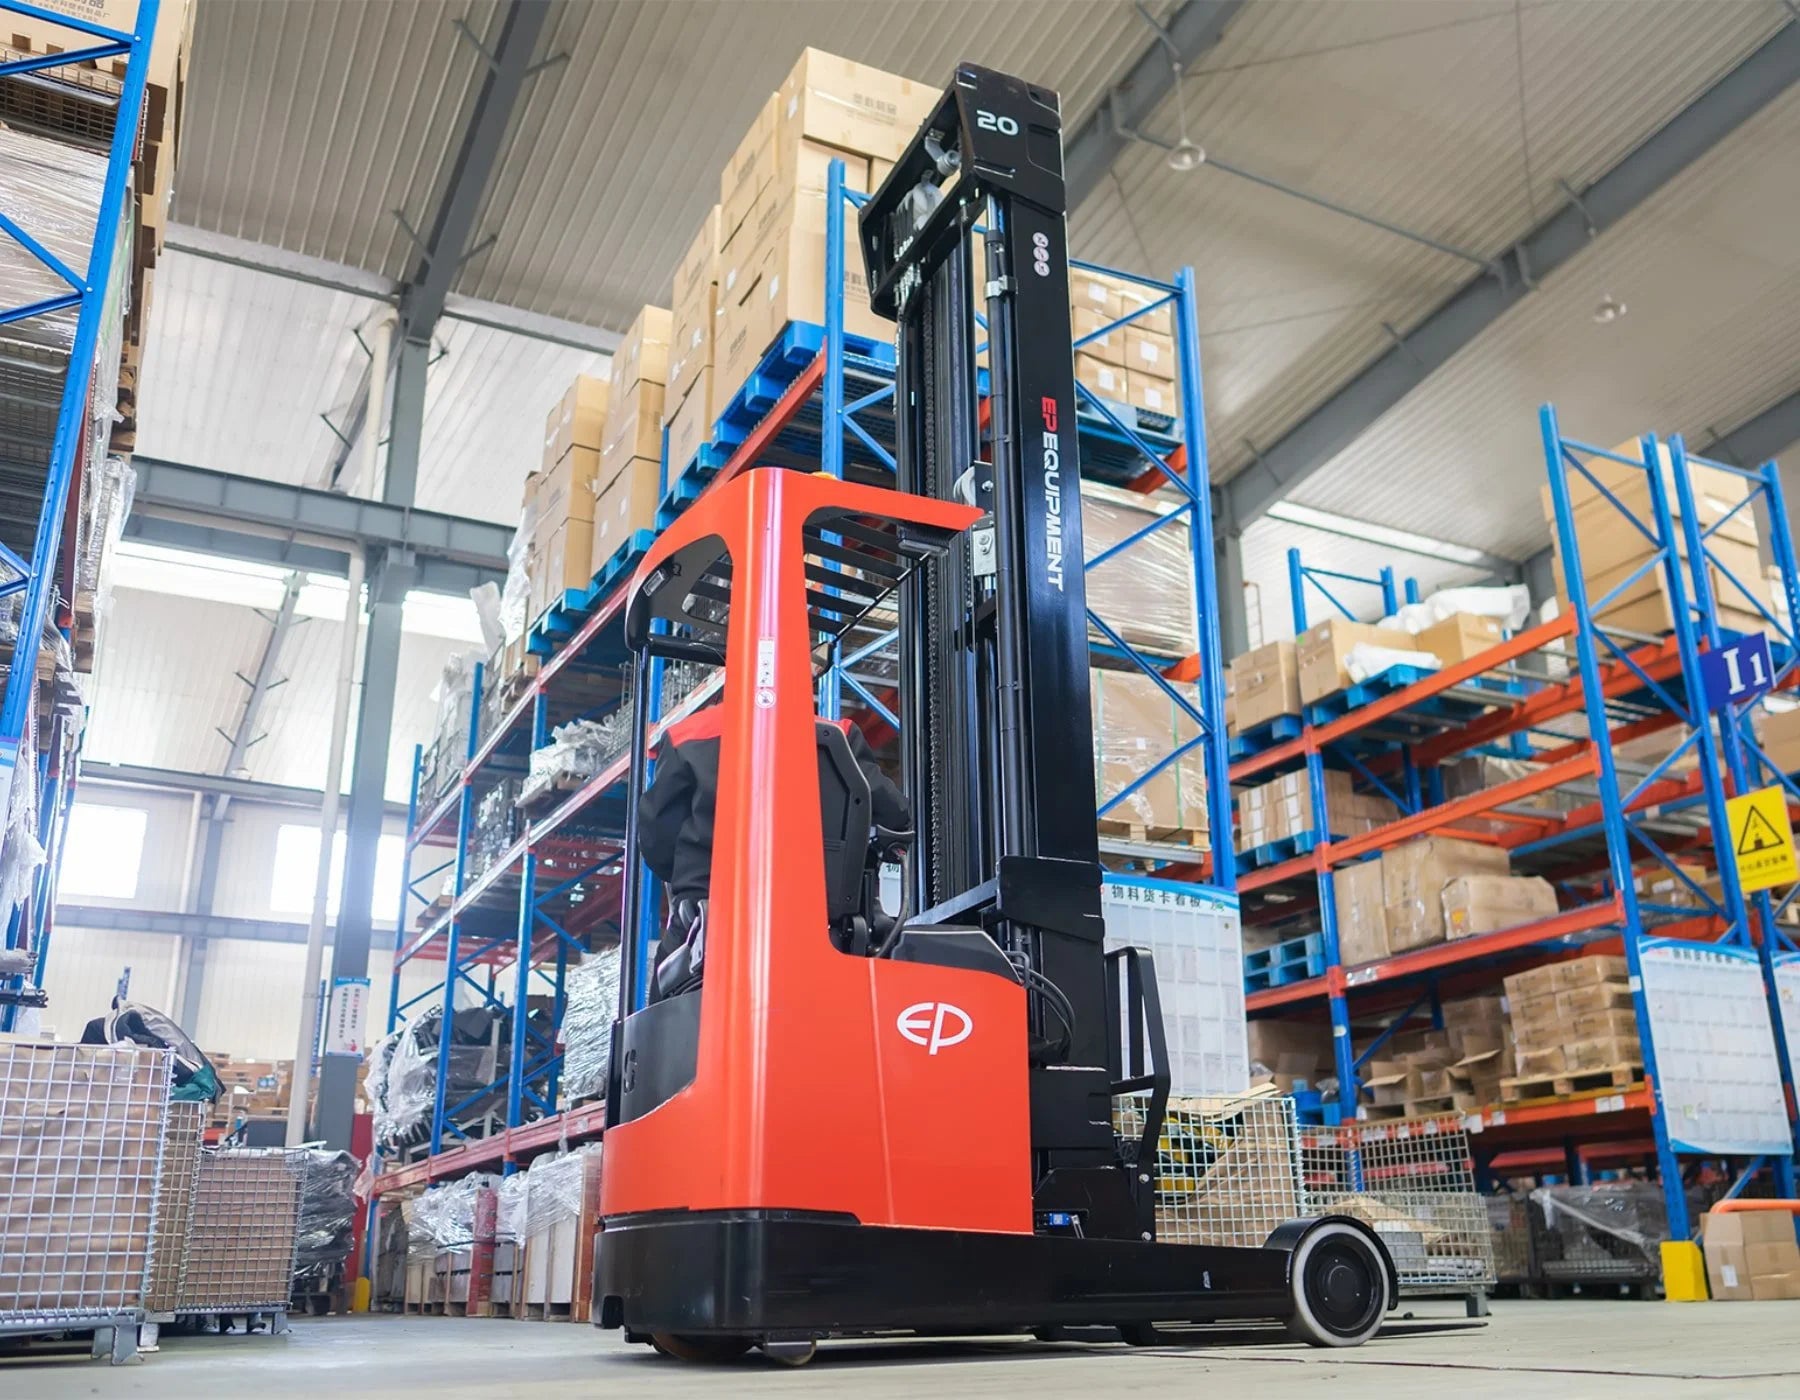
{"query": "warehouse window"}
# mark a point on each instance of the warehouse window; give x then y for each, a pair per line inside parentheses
(297, 869)
(102, 851)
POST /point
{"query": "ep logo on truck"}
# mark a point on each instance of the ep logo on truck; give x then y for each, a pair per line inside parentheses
(934, 1024)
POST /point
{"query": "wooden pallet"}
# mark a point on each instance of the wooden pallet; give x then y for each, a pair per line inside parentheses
(545, 1312)
(1518, 1088)
(1186, 840)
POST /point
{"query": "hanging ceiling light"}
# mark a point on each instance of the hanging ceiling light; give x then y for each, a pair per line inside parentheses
(1609, 310)
(1184, 154)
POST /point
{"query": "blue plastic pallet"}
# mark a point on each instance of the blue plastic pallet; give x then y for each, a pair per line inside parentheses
(563, 618)
(1247, 743)
(1274, 852)
(794, 349)
(1281, 975)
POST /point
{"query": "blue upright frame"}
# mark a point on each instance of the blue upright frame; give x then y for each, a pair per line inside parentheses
(1677, 558)
(87, 295)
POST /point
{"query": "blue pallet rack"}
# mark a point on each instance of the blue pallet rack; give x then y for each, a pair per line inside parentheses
(829, 408)
(1620, 685)
(35, 576)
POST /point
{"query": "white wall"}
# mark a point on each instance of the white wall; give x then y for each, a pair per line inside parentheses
(251, 993)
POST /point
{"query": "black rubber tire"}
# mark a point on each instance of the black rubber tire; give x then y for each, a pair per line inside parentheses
(1339, 1286)
(700, 1350)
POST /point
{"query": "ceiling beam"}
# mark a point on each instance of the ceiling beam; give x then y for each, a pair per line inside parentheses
(1330, 428)
(138, 775)
(1753, 443)
(265, 679)
(354, 281)
(1090, 152)
(229, 499)
(445, 243)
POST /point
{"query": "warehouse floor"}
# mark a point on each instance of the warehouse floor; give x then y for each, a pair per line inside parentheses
(1571, 1349)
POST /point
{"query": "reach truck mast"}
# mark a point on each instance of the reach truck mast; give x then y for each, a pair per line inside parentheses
(842, 1121)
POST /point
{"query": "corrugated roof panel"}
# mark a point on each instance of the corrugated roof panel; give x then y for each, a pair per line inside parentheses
(1407, 117)
(1710, 273)
(239, 365)
(309, 122)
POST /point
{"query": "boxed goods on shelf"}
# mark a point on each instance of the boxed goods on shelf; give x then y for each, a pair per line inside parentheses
(1145, 592)
(626, 505)
(1475, 904)
(1107, 380)
(1460, 637)
(1291, 1054)
(1779, 737)
(1750, 1255)
(691, 403)
(1136, 726)
(1321, 651)
(1283, 807)
(1134, 364)
(1570, 1018)
(1361, 913)
(1413, 876)
(1455, 1068)
(578, 420)
(1267, 684)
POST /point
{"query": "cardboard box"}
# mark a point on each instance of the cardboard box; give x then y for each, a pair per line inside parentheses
(1589, 971)
(1605, 996)
(1476, 904)
(562, 559)
(1152, 393)
(1643, 606)
(1322, 650)
(1459, 638)
(1136, 726)
(1096, 292)
(626, 505)
(1716, 495)
(699, 265)
(692, 423)
(1149, 351)
(1108, 348)
(853, 106)
(691, 341)
(643, 355)
(1267, 681)
(1131, 296)
(1296, 1052)
(1781, 739)
(1108, 381)
(634, 430)
(775, 273)
(578, 420)
(564, 491)
(1413, 878)
(1361, 913)
(749, 170)
(1619, 1023)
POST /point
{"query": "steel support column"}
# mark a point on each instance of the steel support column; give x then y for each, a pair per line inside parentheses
(1234, 618)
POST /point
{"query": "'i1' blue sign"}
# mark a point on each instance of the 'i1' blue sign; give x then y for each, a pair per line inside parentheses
(1737, 673)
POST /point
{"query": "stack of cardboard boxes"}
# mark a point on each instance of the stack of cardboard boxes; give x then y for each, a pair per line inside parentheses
(1135, 363)
(252, 1088)
(1283, 807)
(1322, 653)
(627, 488)
(1455, 1069)
(1136, 726)
(1570, 1018)
(1613, 548)
(1750, 1254)
(1265, 685)
(772, 205)
(690, 402)
(559, 496)
(1429, 890)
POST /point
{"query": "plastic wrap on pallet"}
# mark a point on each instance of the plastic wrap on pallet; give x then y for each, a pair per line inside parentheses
(1366, 659)
(509, 1216)
(1632, 1211)
(401, 1082)
(578, 750)
(515, 595)
(446, 1214)
(553, 1188)
(53, 193)
(592, 991)
(110, 488)
(1145, 592)
(21, 853)
(327, 1214)
(1136, 728)
(1510, 603)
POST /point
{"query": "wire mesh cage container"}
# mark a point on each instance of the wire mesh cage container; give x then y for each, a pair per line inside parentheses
(240, 1256)
(81, 1148)
(1412, 1180)
(175, 1206)
(1509, 1218)
(1610, 1232)
(1228, 1169)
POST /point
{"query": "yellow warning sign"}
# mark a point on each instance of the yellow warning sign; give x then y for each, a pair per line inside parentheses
(1762, 839)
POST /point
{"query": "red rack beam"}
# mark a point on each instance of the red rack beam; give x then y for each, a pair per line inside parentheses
(572, 1126)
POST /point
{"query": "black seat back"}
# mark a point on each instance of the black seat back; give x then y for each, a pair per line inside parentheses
(846, 819)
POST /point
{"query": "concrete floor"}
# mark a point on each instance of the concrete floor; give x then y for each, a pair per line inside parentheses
(1568, 1350)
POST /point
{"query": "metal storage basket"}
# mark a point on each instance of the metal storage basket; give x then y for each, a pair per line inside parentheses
(240, 1256)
